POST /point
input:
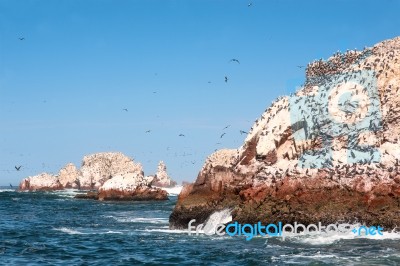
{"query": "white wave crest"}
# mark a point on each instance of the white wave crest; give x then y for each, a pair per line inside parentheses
(165, 230)
(67, 193)
(71, 231)
(172, 191)
(141, 220)
(327, 239)
(7, 190)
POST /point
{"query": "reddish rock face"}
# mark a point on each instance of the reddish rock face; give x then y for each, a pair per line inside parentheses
(265, 179)
(291, 199)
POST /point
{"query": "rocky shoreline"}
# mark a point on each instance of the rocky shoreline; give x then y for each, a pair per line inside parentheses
(308, 159)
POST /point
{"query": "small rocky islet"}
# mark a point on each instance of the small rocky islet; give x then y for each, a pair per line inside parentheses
(107, 176)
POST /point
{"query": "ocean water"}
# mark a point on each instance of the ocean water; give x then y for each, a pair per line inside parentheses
(39, 228)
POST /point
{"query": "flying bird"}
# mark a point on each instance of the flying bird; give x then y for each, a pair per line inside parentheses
(234, 60)
(300, 66)
(181, 135)
(250, 4)
(222, 135)
(18, 167)
(148, 131)
(242, 132)
(11, 186)
(226, 127)
(21, 38)
(126, 110)
(226, 79)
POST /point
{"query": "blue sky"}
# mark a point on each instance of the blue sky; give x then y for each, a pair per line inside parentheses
(63, 88)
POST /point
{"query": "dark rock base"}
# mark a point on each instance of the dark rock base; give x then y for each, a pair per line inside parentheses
(288, 201)
(139, 194)
(88, 195)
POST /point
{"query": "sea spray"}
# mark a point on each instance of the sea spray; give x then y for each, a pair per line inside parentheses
(216, 218)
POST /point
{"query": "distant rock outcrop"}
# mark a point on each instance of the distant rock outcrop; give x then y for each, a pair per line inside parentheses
(161, 178)
(114, 175)
(329, 152)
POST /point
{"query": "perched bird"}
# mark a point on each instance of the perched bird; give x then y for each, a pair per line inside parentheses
(243, 132)
(226, 127)
(126, 110)
(234, 60)
(21, 38)
(18, 167)
(148, 131)
(181, 135)
(222, 135)
(226, 79)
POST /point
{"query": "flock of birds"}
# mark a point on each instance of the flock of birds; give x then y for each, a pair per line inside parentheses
(233, 60)
(222, 134)
(226, 79)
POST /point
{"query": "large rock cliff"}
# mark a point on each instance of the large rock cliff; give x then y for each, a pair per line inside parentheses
(329, 152)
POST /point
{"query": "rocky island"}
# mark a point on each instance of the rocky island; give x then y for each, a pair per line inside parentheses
(329, 152)
(109, 176)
